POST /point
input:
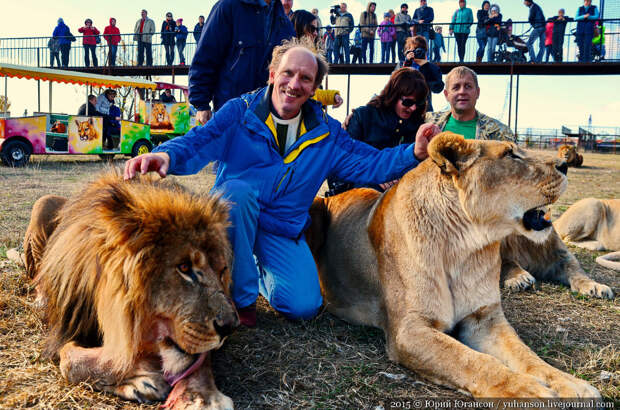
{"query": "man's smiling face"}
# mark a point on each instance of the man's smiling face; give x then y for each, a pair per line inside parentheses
(293, 82)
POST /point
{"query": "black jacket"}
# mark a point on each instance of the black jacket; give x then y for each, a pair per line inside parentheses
(494, 24)
(197, 32)
(559, 26)
(167, 32)
(427, 14)
(536, 18)
(483, 17)
(92, 111)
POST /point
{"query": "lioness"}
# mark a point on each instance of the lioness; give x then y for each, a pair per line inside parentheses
(86, 130)
(134, 280)
(160, 118)
(569, 154)
(422, 260)
(593, 224)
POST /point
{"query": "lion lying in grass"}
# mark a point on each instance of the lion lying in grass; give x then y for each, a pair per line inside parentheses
(134, 279)
(593, 224)
(569, 154)
(422, 261)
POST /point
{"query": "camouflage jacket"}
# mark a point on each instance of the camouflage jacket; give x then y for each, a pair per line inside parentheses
(487, 128)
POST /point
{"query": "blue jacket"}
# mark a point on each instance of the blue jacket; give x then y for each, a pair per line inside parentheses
(241, 136)
(425, 14)
(586, 25)
(62, 33)
(181, 32)
(233, 55)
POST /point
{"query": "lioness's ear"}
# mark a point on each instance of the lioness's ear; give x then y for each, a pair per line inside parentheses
(77, 123)
(451, 152)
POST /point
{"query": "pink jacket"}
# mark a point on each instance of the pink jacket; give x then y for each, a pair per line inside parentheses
(386, 31)
(549, 33)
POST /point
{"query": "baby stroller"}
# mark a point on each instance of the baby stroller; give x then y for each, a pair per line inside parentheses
(510, 48)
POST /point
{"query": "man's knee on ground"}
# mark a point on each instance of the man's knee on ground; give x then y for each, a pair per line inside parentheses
(299, 309)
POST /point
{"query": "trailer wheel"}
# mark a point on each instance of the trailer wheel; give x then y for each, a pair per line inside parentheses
(15, 153)
(141, 147)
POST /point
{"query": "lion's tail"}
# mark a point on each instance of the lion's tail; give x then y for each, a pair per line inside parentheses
(317, 232)
(610, 260)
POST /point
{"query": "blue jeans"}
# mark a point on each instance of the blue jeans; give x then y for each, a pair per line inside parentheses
(481, 37)
(143, 47)
(368, 42)
(385, 52)
(436, 55)
(401, 37)
(427, 36)
(330, 54)
(112, 54)
(491, 44)
(181, 48)
(169, 53)
(341, 45)
(280, 268)
(537, 33)
(393, 51)
(584, 42)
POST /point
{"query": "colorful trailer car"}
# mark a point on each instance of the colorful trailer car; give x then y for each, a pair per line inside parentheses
(48, 133)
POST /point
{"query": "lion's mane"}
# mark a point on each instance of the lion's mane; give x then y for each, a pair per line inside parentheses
(101, 261)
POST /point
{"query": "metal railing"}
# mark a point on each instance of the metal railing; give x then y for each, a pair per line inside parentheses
(586, 138)
(34, 51)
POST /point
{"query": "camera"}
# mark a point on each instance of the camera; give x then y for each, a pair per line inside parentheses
(418, 53)
(334, 13)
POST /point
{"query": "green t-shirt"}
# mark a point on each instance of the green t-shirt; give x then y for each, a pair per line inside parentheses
(466, 128)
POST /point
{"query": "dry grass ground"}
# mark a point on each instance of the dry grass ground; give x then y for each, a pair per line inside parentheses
(323, 363)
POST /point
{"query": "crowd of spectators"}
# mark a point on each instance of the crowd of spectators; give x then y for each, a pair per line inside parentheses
(341, 39)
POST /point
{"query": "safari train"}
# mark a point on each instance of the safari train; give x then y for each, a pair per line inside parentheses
(62, 134)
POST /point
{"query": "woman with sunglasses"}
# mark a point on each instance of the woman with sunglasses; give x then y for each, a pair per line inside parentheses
(306, 26)
(389, 119)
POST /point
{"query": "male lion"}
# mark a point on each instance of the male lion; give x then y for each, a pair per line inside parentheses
(134, 277)
(86, 130)
(569, 154)
(160, 118)
(593, 224)
(422, 260)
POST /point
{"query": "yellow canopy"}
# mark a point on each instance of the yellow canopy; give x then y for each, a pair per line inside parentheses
(72, 77)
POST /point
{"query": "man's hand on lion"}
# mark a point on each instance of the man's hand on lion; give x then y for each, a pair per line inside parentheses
(423, 137)
(152, 162)
(386, 185)
(203, 116)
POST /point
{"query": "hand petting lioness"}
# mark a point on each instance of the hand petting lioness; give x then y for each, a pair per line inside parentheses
(422, 261)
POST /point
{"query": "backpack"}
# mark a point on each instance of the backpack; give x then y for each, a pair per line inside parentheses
(431, 34)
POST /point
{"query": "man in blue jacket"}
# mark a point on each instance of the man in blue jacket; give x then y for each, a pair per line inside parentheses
(537, 21)
(275, 148)
(233, 54)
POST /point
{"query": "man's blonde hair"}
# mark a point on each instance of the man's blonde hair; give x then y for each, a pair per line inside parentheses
(307, 44)
(461, 71)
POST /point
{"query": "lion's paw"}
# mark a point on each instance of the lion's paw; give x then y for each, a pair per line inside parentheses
(593, 289)
(521, 281)
(144, 388)
(521, 385)
(568, 386)
(195, 401)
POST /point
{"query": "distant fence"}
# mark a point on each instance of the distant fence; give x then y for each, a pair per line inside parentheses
(585, 138)
(34, 51)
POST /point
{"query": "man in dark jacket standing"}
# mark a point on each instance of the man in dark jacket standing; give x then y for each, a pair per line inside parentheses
(586, 16)
(422, 17)
(198, 28)
(233, 55)
(559, 28)
(537, 20)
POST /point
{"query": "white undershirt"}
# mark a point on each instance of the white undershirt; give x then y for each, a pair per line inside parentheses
(293, 126)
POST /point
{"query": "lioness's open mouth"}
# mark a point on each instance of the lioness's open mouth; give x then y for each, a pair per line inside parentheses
(537, 219)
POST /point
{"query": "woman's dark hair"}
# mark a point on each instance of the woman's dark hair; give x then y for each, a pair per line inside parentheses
(483, 3)
(302, 20)
(404, 81)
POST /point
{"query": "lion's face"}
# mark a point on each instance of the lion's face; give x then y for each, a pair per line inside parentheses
(567, 153)
(159, 116)
(191, 298)
(500, 184)
(86, 130)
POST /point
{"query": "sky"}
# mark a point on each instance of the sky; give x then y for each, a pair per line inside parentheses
(544, 101)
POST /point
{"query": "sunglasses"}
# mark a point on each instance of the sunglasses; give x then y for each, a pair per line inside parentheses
(314, 29)
(408, 102)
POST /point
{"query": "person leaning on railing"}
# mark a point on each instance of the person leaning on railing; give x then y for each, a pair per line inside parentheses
(462, 20)
(111, 34)
(90, 40)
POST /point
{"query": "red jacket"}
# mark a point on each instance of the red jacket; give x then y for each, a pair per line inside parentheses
(89, 35)
(111, 34)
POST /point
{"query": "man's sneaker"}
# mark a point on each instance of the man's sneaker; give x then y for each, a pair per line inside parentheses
(247, 315)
